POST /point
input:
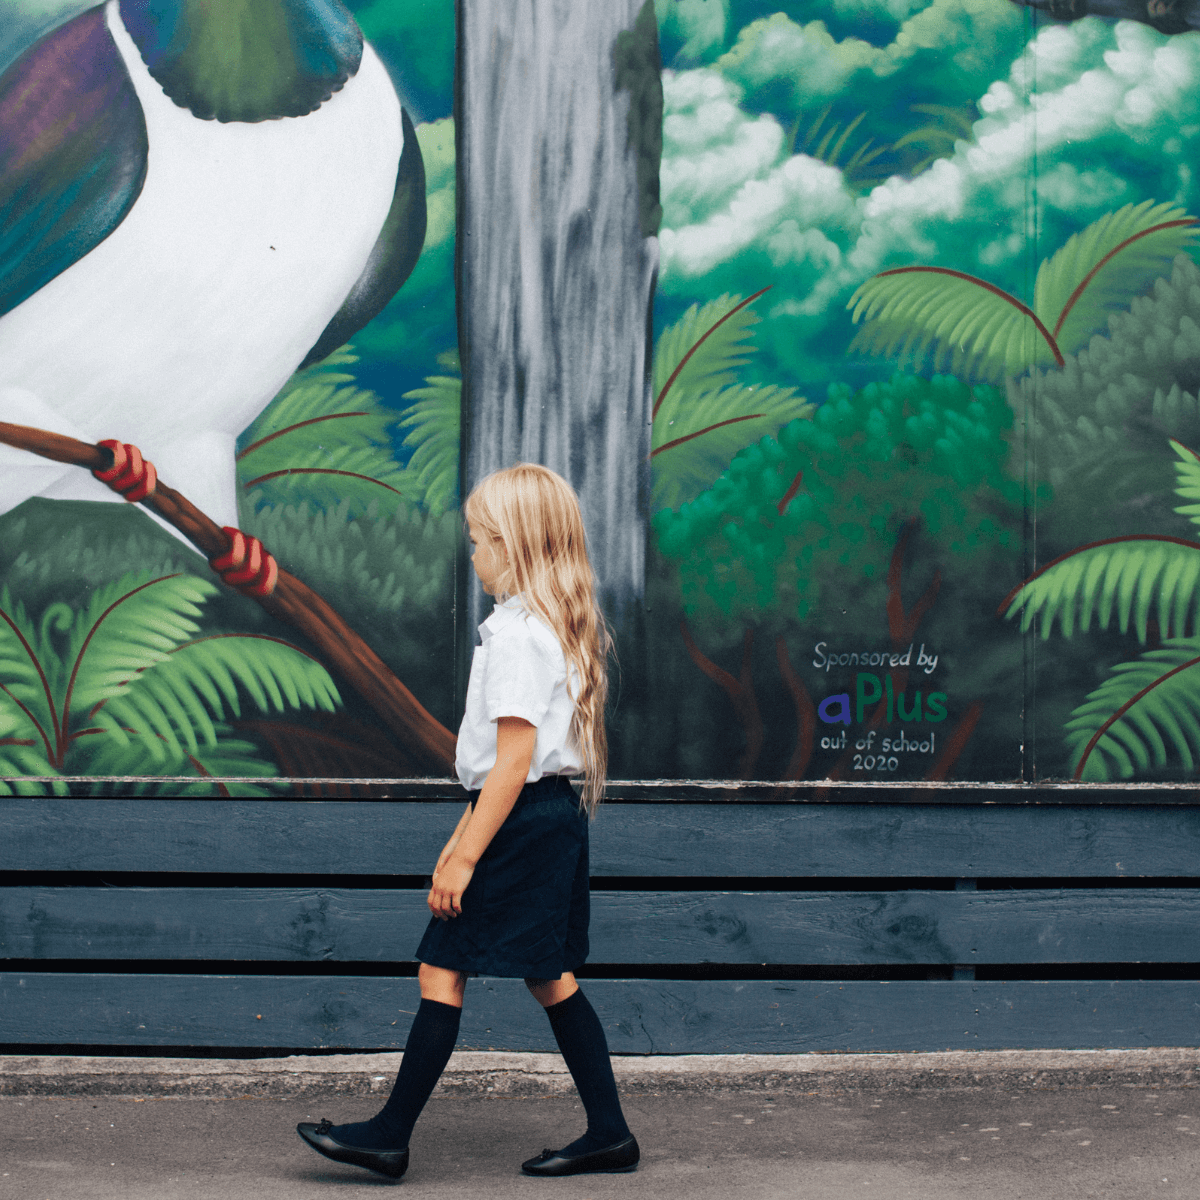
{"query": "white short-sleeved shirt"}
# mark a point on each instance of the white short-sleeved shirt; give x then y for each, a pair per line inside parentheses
(519, 670)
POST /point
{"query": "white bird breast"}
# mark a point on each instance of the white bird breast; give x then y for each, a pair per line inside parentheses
(177, 329)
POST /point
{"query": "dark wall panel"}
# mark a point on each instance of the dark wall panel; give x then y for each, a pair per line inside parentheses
(639, 1016)
(405, 838)
(821, 928)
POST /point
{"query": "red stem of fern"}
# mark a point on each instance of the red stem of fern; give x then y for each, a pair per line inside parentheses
(990, 287)
(696, 346)
(707, 429)
(1131, 537)
(1070, 304)
(298, 425)
(1123, 710)
(319, 471)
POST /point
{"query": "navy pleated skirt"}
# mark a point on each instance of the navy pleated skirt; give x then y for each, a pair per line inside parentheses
(525, 911)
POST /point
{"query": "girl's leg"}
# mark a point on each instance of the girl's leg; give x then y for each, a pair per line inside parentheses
(430, 1043)
(581, 1039)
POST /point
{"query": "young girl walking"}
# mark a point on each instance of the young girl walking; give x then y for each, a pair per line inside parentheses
(510, 891)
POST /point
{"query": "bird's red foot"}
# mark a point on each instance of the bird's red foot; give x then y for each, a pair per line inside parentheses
(130, 474)
(246, 565)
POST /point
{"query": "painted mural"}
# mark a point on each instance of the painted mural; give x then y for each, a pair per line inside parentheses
(868, 330)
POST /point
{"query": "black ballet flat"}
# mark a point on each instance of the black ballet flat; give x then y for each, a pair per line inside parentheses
(621, 1156)
(392, 1163)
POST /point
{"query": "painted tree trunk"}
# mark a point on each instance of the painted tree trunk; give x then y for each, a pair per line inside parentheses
(558, 117)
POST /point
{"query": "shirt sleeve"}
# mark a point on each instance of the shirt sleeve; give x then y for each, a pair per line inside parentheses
(521, 677)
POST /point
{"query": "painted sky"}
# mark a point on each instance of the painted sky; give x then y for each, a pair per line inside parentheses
(1108, 111)
(954, 102)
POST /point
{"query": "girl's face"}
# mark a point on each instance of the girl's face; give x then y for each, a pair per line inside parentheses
(489, 559)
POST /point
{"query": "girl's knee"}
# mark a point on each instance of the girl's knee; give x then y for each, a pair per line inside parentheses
(442, 984)
(553, 991)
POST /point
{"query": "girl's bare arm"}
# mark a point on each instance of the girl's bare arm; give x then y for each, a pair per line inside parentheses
(516, 739)
(452, 841)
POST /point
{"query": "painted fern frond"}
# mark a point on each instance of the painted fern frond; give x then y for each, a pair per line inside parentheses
(358, 475)
(27, 685)
(170, 706)
(1106, 263)
(324, 438)
(1145, 713)
(17, 760)
(1187, 485)
(434, 422)
(228, 755)
(695, 436)
(307, 394)
(970, 326)
(1125, 576)
(973, 326)
(705, 348)
(128, 626)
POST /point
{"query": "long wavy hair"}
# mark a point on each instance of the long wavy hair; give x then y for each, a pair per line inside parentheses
(535, 513)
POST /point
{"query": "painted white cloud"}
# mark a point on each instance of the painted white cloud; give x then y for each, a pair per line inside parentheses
(896, 10)
(791, 212)
(1115, 119)
(816, 66)
(711, 147)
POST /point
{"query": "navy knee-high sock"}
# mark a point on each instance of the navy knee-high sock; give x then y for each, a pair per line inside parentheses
(581, 1039)
(430, 1042)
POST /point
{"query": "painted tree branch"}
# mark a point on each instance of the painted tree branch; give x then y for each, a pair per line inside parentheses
(806, 716)
(902, 625)
(740, 692)
(958, 741)
(424, 737)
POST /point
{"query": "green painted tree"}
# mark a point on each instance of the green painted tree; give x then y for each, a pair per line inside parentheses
(826, 498)
(828, 523)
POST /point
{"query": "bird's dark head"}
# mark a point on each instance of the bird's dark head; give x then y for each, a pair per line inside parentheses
(246, 60)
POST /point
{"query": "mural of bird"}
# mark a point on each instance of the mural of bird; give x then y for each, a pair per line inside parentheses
(196, 198)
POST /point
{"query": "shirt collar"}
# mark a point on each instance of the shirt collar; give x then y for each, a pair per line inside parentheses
(503, 614)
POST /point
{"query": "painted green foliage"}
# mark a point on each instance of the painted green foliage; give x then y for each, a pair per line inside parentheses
(1148, 710)
(433, 422)
(123, 686)
(828, 496)
(982, 331)
(322, 437)
(703, 411)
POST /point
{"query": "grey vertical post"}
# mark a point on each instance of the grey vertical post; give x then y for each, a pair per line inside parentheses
(558, 121)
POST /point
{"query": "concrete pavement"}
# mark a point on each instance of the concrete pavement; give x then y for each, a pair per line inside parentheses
(1008, 1124)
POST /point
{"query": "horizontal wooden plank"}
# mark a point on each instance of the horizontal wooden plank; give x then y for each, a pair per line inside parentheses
(816, 928)
(722, 791)
(639, 1016)
(399, 837)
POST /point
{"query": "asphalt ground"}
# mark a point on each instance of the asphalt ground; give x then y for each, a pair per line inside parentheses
(969, 1127)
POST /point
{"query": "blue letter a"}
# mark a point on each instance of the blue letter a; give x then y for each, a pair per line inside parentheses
(842, 700)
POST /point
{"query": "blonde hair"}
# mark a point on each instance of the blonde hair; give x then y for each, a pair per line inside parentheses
(535, 513)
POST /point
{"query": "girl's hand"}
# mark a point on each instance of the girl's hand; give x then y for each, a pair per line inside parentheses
(449, 882)
(447, 850)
